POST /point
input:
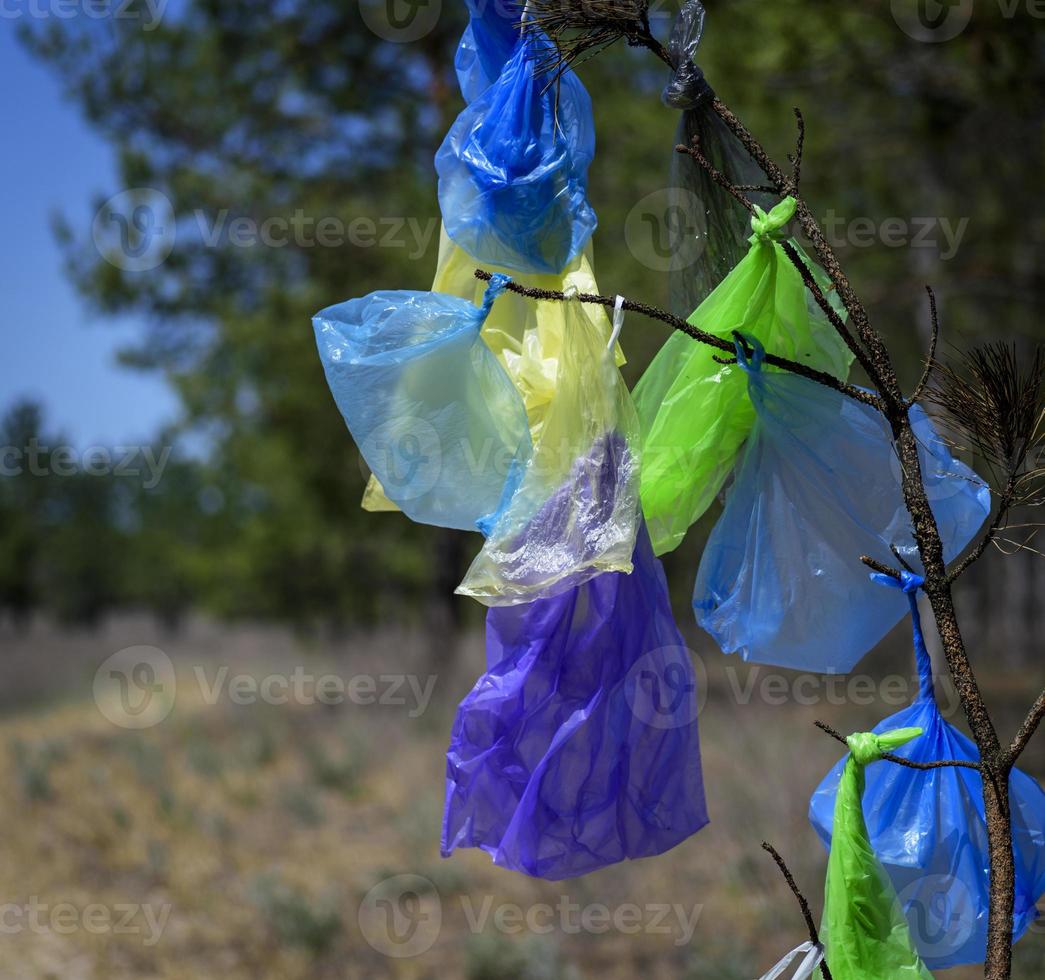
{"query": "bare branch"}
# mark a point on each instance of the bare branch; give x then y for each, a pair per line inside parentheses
(899, 760)
(796, 157)
(694, 151)
(879, 567)
(1028, 728)
(814, 935)
(997, 525)
(702, 336)
(930, 362)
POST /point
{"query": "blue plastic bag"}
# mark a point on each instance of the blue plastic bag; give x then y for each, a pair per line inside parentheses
(929, 832)
(486, 45)
(513, 170)
(434, 414)
(818, 486)
(578, 748)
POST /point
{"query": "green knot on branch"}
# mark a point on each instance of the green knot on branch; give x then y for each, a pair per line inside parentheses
(866, 747)
(772, 226)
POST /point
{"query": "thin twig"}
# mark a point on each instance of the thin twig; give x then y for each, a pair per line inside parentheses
(677, 323)
(796, 157)
(900, 558)
(899, 760)
(930, 362)
(879, 567)
(829, 311)
(1028, 728)
(694, 151)
(997, 525)
(814, 935)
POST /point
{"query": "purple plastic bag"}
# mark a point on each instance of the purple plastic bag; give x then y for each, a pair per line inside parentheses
(578, 748)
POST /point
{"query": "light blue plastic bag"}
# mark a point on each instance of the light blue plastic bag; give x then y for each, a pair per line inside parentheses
(433, 412)
(929, 832)
(513, 170)
(818, 486)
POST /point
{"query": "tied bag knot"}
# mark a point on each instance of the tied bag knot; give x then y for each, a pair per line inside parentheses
(772, 227)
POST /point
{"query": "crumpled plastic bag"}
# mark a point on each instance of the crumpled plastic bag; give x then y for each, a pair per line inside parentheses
(929, 831)
(864, 932)
(525, 334)
(692, 410)
(434, 414)
(513, 170)
(579, 747)
(711, 226)
(575, 511)
(486, 45)
(818, 486)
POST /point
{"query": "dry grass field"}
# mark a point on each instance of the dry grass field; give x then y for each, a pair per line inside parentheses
(241, 840)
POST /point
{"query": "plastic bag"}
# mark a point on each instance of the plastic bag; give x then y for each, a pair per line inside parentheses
(710, 226)
(575, 512)
(434, 414)
(818, 486)
(864, 932)
(579, 747)
(692, 410)
(486, 45)
(929, 831)
(525, 334)
(513, 170)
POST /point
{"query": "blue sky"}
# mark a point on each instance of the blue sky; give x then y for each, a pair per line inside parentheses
(54, 348)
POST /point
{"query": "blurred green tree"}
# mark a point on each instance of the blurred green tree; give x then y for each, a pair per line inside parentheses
(301, 112)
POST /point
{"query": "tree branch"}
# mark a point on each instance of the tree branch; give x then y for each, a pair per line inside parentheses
(900, 761)
(734, 190)
(814, 935)
(996, 526)
(702, 336)
(1028, 728)
(930, 362)
(796, 157)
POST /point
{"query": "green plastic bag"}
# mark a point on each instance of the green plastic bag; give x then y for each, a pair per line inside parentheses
(864, 931)
(694, 413)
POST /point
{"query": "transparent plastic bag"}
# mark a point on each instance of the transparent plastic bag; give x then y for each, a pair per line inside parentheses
(864, 932)
(711, 225)
(525, 334)
(692, 410)
(433, 412)
(929, 831)
(576, 510)
(818, 485)
(513, 170)
(579, 746)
